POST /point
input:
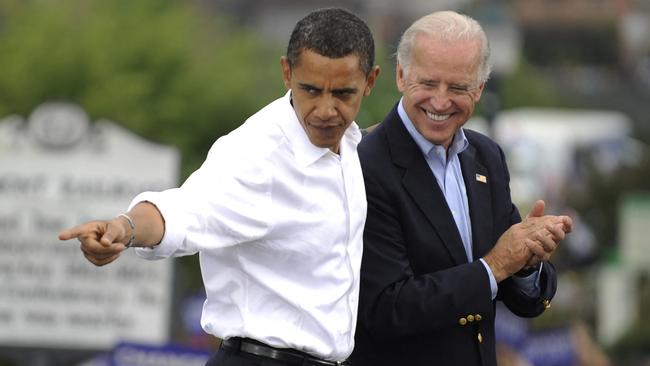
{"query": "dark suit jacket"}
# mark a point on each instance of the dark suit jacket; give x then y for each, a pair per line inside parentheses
(421, 302)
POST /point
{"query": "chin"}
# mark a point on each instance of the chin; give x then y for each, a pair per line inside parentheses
(437, 139)
(321, 143)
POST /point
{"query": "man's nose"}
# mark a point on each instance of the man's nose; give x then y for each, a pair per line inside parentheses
(440, 99)
(326, 108)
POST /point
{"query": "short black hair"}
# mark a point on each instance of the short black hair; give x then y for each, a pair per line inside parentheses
(333, 33)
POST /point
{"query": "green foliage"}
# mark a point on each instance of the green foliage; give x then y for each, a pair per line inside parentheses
(384, 95)
(598, 201)
(160, 68)
(528, 87)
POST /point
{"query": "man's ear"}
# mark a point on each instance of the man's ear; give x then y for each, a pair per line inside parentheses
(372, 79)
(286, 72)
(476, 93)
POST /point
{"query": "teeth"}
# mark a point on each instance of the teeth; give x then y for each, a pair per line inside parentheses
(437, 117)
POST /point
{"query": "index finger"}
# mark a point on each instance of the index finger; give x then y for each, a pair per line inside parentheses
(534, 223)
(71, 233)
(568, 223)
(557, 232)
(92, 230)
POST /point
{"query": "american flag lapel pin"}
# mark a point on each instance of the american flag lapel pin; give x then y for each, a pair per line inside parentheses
(481, 178)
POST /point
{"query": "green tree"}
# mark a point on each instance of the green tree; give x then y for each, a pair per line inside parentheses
(161, 68)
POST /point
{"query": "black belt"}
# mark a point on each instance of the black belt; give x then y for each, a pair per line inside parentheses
(286, 355)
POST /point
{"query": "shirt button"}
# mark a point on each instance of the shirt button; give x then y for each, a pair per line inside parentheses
(462, 321)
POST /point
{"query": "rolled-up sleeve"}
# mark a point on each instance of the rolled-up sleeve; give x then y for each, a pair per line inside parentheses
(225, 202)
(172, 243)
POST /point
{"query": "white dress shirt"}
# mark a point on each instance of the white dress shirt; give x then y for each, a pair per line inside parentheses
(278, 224)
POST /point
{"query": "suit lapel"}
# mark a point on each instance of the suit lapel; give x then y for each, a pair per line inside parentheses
(421, 185)
(477, 184)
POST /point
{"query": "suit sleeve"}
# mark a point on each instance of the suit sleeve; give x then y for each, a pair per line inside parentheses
(395, 300)
(521, 304)
(509, 292)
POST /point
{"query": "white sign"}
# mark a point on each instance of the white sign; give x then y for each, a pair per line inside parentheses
(617, 309)
(634, 217)
(58, 170)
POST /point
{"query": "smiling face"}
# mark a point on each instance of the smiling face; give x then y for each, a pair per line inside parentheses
(326, 94)
(440, 87)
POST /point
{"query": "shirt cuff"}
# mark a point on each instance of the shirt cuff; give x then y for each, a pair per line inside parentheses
(494, 288)
(168, 244)
(529, 285)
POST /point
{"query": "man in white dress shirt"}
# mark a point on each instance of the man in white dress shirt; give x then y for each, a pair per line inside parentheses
(276, 211)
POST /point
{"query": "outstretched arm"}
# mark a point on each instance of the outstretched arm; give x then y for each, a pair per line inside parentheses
(102, 241)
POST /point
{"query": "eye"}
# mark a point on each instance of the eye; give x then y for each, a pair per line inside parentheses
(342, 94)
(459, 89)
(428, 83)
(310, 89)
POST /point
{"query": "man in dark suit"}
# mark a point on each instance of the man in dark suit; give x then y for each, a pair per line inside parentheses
(443, 240)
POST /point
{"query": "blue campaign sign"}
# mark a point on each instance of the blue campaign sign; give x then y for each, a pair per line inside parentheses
(509, 328)
(98, 360)
(551, 348)
(191, 309)
(132, 354)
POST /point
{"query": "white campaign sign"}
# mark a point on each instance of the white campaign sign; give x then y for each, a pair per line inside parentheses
(58, 170)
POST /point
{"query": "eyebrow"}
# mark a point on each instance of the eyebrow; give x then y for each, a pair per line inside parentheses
(336, 91)
(308, 86)
(426, 80)
(467, 85)
(345, 90)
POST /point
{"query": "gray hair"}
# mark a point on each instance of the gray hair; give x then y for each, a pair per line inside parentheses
(449, 26)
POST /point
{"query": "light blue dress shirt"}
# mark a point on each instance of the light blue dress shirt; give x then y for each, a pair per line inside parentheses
(445, 166)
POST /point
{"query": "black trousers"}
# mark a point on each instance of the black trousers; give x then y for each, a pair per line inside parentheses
(226, 357)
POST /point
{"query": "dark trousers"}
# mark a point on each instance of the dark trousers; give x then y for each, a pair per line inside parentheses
(225, 357)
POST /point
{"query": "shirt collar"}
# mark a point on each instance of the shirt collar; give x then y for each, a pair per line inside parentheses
(304, 151)
(458, 145)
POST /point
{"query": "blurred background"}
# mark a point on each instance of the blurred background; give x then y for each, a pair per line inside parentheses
(102, 99)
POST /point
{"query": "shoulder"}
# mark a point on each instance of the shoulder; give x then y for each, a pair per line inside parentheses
(486, 152)
(374, 148)
(376, 141)
(483, 144)
(382, 152)
(480, 140)
(261, 133)
(253, 146)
